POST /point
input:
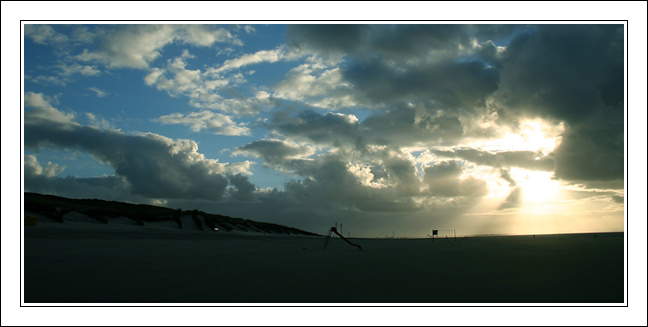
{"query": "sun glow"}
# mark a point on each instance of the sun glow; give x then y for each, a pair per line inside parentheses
(531, 135)
(537, 186)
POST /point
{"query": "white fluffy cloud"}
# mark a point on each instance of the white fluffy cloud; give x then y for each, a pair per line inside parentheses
(203, 88)
(269, 56)
(44, 34)
(136, 46)
(317, 86)
(209, 121)
(44, 112)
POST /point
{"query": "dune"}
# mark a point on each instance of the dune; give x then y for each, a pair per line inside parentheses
(77, 262)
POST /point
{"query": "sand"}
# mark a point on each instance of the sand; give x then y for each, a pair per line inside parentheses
(84, 262)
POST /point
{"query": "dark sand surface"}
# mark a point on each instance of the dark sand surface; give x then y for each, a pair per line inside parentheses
(83, 263)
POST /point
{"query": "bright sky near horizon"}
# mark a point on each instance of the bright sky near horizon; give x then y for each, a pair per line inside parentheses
(383, 127)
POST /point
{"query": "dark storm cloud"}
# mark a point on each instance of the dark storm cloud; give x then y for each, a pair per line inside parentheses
(152, 165)
(275, 153)
(105, 187)
(329, 128)
(592, 151)
(388, 64)
(242, 189)
(444, 179)
(401, 126)
(448, 85)
(565, 72)
(571, 73)
(323, 38)
(386, 40)
(406, 126)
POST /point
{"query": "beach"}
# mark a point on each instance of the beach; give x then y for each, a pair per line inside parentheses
(85, 262)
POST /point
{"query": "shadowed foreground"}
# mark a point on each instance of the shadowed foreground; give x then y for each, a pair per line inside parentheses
(89, 265)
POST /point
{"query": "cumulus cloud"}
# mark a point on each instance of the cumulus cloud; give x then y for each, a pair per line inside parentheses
(461, 85)
(242, 190)
(388, 64)
(206, 120)
(444, 179)
(317, 86)
(44, 34)
(570, 73)
(43, 112)
(327, 129)
(85, 70)
(33, 167)
(369, 119)
(281, 155)
(151, 165)
(204, 88)
(135, 46)
(413, 125)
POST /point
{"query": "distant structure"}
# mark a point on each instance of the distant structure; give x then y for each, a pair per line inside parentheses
(435, 233)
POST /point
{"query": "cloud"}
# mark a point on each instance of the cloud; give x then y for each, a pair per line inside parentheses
(209, 121)
(204, 88)
(45, 180)
(500, 159)
(317, 86)
(444, 179)
(98, 92)
(98, 122)
(592, 151)
(334, 129)
(243, 190)
(249, 59)
(403, 126)
(387, 64)
(513, 200)
(151, 165)
(44, 34)
(458, 85)
(32, 167)
(65, 74)
(43, 112)
(69, 70)
(574, 74)
(506, 175)
(413, 125)
(136, 46)
(281, 155)
(371, 120)
(569, 74)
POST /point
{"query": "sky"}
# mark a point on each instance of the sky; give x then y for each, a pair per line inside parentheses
(387, 129)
